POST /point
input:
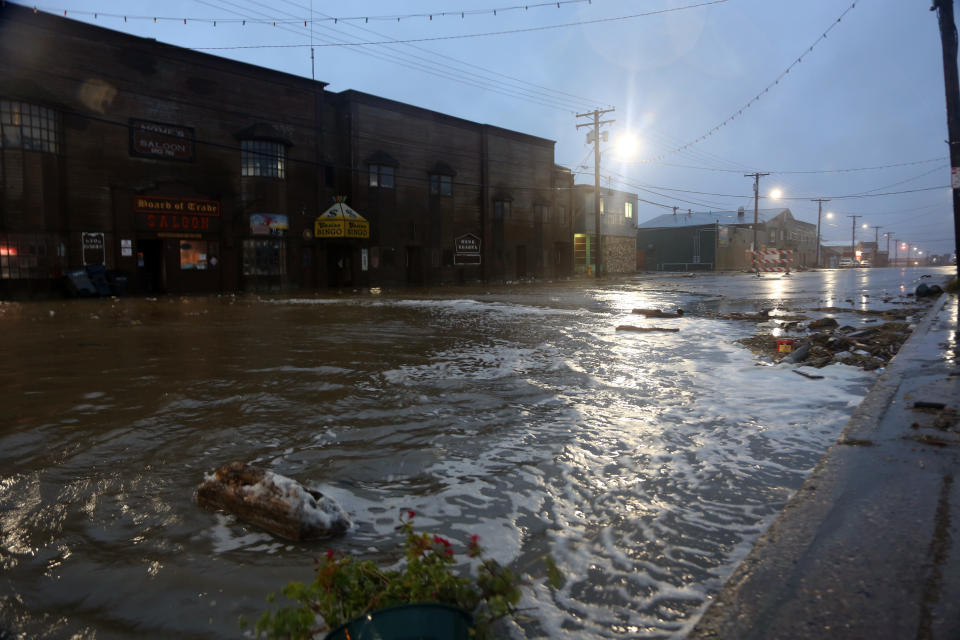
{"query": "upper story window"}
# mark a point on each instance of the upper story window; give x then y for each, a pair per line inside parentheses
(381, 175)
(562, 215)
(628, 210)
(263, 158)
(501, 209)
(540, 213)
(602, 206)
(441, 185)
(28, 126)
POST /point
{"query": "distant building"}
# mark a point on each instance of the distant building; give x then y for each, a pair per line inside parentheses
(721, 240)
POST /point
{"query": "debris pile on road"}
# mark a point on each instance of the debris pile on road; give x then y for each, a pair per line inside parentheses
(869, 348)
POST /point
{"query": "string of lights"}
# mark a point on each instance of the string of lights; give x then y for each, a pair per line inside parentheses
(396, 17)
(757, 97)
(485, 34)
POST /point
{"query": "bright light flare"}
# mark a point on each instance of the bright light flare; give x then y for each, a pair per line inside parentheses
(626, 146)
(776, 193)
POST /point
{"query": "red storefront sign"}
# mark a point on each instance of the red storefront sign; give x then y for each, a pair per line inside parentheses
(176, 222)
(161, 213)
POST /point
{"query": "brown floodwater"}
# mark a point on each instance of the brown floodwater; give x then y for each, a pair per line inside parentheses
(644, 464)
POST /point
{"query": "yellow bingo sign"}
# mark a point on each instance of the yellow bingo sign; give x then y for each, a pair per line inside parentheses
(340, 221)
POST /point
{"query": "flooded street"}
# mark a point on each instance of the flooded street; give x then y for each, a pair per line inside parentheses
(645, 464)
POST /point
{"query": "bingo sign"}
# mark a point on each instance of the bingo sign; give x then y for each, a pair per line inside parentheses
(93, 248)
(466, 249)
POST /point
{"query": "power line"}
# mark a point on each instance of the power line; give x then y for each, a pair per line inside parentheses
(551, 94)
(474, 35)
(459, 76)
(759, 95)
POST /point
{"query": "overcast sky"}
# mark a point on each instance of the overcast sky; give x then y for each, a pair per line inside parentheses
(869, 94)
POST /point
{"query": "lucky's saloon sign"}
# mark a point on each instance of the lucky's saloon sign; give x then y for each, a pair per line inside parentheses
(340, 221)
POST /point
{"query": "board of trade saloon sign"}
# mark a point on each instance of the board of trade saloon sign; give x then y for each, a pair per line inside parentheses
(160, 213)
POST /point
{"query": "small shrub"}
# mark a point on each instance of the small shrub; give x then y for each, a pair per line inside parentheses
(346, 587)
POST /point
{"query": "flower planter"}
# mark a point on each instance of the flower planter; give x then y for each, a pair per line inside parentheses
(424, 621)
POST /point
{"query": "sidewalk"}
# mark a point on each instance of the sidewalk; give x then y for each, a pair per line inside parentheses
(869, 547)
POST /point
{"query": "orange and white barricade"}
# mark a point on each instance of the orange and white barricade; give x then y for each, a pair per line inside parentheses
(772, 260)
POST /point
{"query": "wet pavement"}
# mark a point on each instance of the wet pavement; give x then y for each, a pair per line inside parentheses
(868, 546)
(646, 465)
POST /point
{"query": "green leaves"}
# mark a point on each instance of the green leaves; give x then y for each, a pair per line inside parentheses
(346, 587)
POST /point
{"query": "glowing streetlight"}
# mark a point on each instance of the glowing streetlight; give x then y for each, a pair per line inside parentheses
(626, 146)
(776, 193)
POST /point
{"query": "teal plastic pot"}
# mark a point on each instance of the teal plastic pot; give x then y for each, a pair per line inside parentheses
(425, 621)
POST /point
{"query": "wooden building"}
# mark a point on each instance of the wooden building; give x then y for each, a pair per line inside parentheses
(178, 171)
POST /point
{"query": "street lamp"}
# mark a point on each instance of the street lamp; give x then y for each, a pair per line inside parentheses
(626, 146)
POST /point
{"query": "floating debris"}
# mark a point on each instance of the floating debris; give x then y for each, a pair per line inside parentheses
(273, 502)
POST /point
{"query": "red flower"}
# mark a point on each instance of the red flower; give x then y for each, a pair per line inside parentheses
(410, 513)
(442, 541)
(330, 554)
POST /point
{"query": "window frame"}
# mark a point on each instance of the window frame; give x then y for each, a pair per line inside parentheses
(263, 159)
(441, 185)
(30, 127)
(381, 176)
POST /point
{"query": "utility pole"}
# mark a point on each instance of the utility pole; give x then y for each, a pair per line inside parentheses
(595, 135)
(896, 251)
(876, 245)
(853, 238)
(819, 202)
(888, 235)
(756, 213)
(951, 84)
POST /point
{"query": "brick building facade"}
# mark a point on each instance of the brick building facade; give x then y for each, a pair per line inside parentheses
(186, 172)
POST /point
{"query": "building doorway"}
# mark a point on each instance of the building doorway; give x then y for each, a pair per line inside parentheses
(151, 273)
(521, 261)
(414, 265)
(339, 266)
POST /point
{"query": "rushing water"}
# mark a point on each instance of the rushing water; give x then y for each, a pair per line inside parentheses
(644, 464)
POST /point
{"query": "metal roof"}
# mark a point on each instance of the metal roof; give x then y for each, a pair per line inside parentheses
(704, 218)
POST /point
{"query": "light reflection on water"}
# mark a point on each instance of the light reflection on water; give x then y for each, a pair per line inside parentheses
(645, 464)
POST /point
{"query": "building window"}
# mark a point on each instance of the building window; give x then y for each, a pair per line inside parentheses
(628, 210)
(30, 256)
(198, 255)
(260, 158)
(381, 175)
(562, 215)
(29, 127)
(540, 213)
(602, 207)
(501, 209)
(264, 257)
(441, 185)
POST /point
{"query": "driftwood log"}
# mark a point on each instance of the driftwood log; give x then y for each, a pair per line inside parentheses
(657, 313)
(273, 502)
(630, 327)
